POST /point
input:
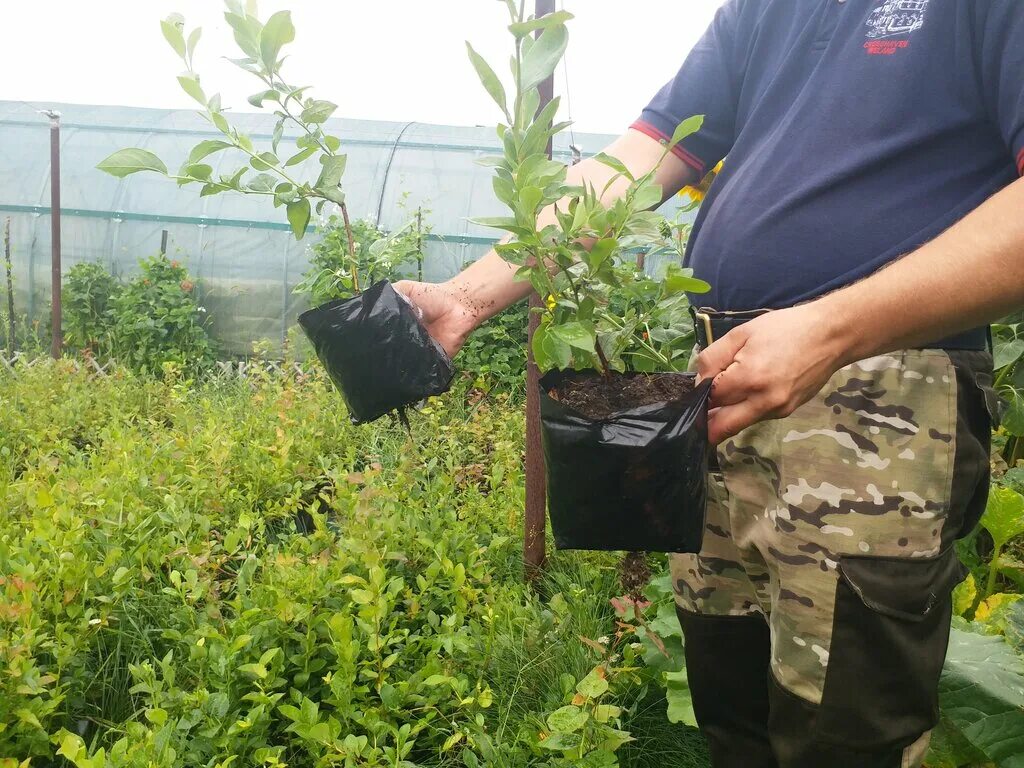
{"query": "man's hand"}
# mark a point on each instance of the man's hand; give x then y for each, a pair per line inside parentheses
(770, 366)
(447, 319)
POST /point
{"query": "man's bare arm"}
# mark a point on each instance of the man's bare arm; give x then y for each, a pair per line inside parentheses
(970, 275)
(454, 308)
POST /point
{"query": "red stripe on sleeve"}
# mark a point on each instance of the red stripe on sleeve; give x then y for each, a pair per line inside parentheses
(1020, 163)
(691, 160)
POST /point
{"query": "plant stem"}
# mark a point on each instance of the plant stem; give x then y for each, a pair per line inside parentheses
(419, 244)
(351, 248)
(993, 571)
(1002, 375)
(605, 369)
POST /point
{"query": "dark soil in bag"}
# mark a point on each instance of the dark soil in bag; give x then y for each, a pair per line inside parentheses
(626, 459)
(377, 352)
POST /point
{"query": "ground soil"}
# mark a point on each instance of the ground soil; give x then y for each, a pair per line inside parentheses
(597, 397)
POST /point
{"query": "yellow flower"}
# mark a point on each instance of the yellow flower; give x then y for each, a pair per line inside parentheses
(550, 302)
(697, 193)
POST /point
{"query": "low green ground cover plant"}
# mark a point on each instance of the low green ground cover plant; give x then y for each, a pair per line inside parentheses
(233, 574)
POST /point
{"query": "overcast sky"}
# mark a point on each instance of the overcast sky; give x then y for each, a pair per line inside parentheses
(378, 59)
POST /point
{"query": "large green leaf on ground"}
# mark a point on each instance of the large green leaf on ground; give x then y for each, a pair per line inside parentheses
(982, 696)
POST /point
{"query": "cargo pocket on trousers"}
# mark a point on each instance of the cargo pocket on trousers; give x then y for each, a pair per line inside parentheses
(889, 636)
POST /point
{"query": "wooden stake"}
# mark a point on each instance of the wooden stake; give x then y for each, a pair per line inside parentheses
(534, 549)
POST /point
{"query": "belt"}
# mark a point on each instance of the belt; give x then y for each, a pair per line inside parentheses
(711, 324)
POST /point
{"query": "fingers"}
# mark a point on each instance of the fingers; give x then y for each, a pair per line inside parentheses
(731, 386)
(728, 421)
(720, 355)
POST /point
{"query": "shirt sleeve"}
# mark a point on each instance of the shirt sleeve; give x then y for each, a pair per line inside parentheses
(1002, 72)
(707, 84)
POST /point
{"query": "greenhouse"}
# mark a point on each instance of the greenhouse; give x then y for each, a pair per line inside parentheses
(240, 249)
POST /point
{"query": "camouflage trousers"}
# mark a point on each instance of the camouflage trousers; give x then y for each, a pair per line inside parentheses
(817, 613)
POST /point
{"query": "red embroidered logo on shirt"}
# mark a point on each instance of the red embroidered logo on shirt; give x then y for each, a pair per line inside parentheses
(885, 47)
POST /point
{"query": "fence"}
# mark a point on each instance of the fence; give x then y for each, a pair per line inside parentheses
(13, 364)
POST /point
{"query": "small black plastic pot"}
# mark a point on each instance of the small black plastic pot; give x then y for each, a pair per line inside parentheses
(377, 352)
(633, 481)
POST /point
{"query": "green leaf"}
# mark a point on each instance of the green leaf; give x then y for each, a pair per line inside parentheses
(540, 356)
(298, 216)
(334, 194)
(299, 157)
(362, 596)
(334, 169)
(200, 171)
(71, 745)
(257, 99)
(209, 190)
(688, 127)
(318, 111)
(193, 41)
(263, 182)
(278, 32)
(1004, 515)
(981, 693)
(601, 251)
(529, 201)
(275, 140)
(498, 222)
(567, 719)
(594, 684)
(503, 189)
(1006, 352)
(680, 700)
(523, 28)
(264, 161)
(205, 149)
(576, 334)
(1013, 419)
(543, 56)
(489, 79)
(172, 29)
(605, 712)
(615, 164)
(253, 670)
(249, 65)
(683, 284)
(247, 33)
(613, 739)
(190, 84)
(128, 161)
(156, 716)
(562, 742)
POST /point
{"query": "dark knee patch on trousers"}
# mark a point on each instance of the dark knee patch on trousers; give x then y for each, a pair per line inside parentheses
(727, 660)
(793, 723)
(889, 637)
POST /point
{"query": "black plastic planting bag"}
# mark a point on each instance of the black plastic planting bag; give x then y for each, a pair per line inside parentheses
(377, 352)
(635, 480)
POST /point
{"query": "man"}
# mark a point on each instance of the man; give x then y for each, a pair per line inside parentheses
(871, 198)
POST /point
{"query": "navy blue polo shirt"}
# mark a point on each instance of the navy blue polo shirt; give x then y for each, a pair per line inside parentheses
(856, 131)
